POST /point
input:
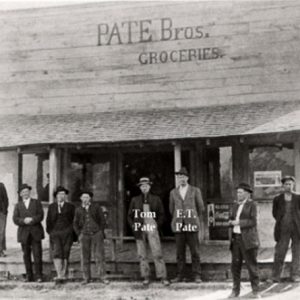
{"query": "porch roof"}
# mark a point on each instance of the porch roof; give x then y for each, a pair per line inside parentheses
(150, 125)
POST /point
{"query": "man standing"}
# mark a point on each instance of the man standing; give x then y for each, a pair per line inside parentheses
(146, 216)
(59, 224)
(3, 215)
(28, 215)
(89, 226)
(186, 208)
(244, 241)
(286, 211)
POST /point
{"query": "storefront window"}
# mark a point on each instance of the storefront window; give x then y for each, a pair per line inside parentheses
(267, 165)
(35, 172)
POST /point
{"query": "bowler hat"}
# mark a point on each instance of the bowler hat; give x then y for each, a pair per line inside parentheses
(144, 180)
(182, 171)
(288, 177)
(60, 189)
(24, 186)
(86, 192)
(245, 186)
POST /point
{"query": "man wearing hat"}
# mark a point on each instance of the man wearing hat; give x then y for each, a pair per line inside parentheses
(146, 216)
(59, 225)
(186, 208)
(244, 240)
(3, 215)
(28, 215)
(89, 226)
(286, 211)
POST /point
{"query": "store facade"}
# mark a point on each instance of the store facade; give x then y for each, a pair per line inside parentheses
(119, 91)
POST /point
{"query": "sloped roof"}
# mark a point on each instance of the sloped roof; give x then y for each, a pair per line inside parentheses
(150, 125)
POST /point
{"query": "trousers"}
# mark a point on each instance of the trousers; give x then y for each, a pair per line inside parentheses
(2, 231)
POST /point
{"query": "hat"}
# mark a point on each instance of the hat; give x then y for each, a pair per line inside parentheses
(60, 189)
(86, 192)
(182, 171)
(144, 180)
(245, 186)
(24, 186)
(288, 177)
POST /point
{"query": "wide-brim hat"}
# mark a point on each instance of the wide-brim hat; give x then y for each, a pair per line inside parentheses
(86, 192)
(182, 171)
(60, 189)
(144, 180)
(245, 186)
(24, 186)
(287, 177)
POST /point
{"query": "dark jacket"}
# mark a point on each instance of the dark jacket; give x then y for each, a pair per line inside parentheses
(187, 211)
(35, 211)
(248, 224)
(279, 211)
(155, 206)
(68, 211)
(3, 199)
(96, 214)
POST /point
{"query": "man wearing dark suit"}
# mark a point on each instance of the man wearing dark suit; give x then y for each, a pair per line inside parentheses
(186, 208)
(146, 216)
(28, 215)
(3, 215)
(286, 211)
(59, 224)
(89, 226)
(244, 240)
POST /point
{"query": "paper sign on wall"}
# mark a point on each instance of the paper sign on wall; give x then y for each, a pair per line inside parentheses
(267, 178)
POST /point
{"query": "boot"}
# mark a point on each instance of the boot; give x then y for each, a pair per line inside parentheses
(58, 268)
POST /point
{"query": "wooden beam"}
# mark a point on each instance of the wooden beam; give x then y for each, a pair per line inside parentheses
(240, 163)
(53, 172)
(177, 159)
(297, 163)
(121, 219)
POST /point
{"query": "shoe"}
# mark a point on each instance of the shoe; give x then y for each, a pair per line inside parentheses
(272, 280)
(104, 281)
(39, 280)
(255, 295)
(85, 281)
(146, 282)
(165, 282)
(177, 279)
(28, 279)
(2, 254)
(197, 279)
(233, 295)
(295, 279)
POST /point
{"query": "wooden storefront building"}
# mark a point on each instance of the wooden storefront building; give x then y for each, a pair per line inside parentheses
(97, 95)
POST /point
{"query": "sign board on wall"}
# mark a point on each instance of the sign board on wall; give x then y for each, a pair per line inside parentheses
(218, 216)
(267, 178)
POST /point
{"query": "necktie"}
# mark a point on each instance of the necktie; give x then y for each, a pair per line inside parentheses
(59, 208)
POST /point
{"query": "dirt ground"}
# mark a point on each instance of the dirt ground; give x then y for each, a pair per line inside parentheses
(113, 291)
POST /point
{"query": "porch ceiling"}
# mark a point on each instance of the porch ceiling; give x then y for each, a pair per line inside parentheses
(150, 125)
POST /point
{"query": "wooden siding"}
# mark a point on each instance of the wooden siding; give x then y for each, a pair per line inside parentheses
(50, 61)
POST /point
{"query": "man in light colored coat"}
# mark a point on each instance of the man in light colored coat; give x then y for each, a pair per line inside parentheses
(186, 208)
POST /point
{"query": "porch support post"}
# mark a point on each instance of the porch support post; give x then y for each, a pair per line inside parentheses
(297, 164)
(121, 214)
(240, 163)
(53, 172)
(177, 159)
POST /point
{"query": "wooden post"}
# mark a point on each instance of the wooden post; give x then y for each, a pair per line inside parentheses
(53, 172)
(65, 164)
(240, 163)
(120, 198)
(297, 164)
(177, 159)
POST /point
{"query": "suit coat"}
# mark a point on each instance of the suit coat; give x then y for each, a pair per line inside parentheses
(68, 211)
(80, 215)
(136, 203)
(248, 224)
(188, 210)
(35, 228)
(278, 212)
(3, 199)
